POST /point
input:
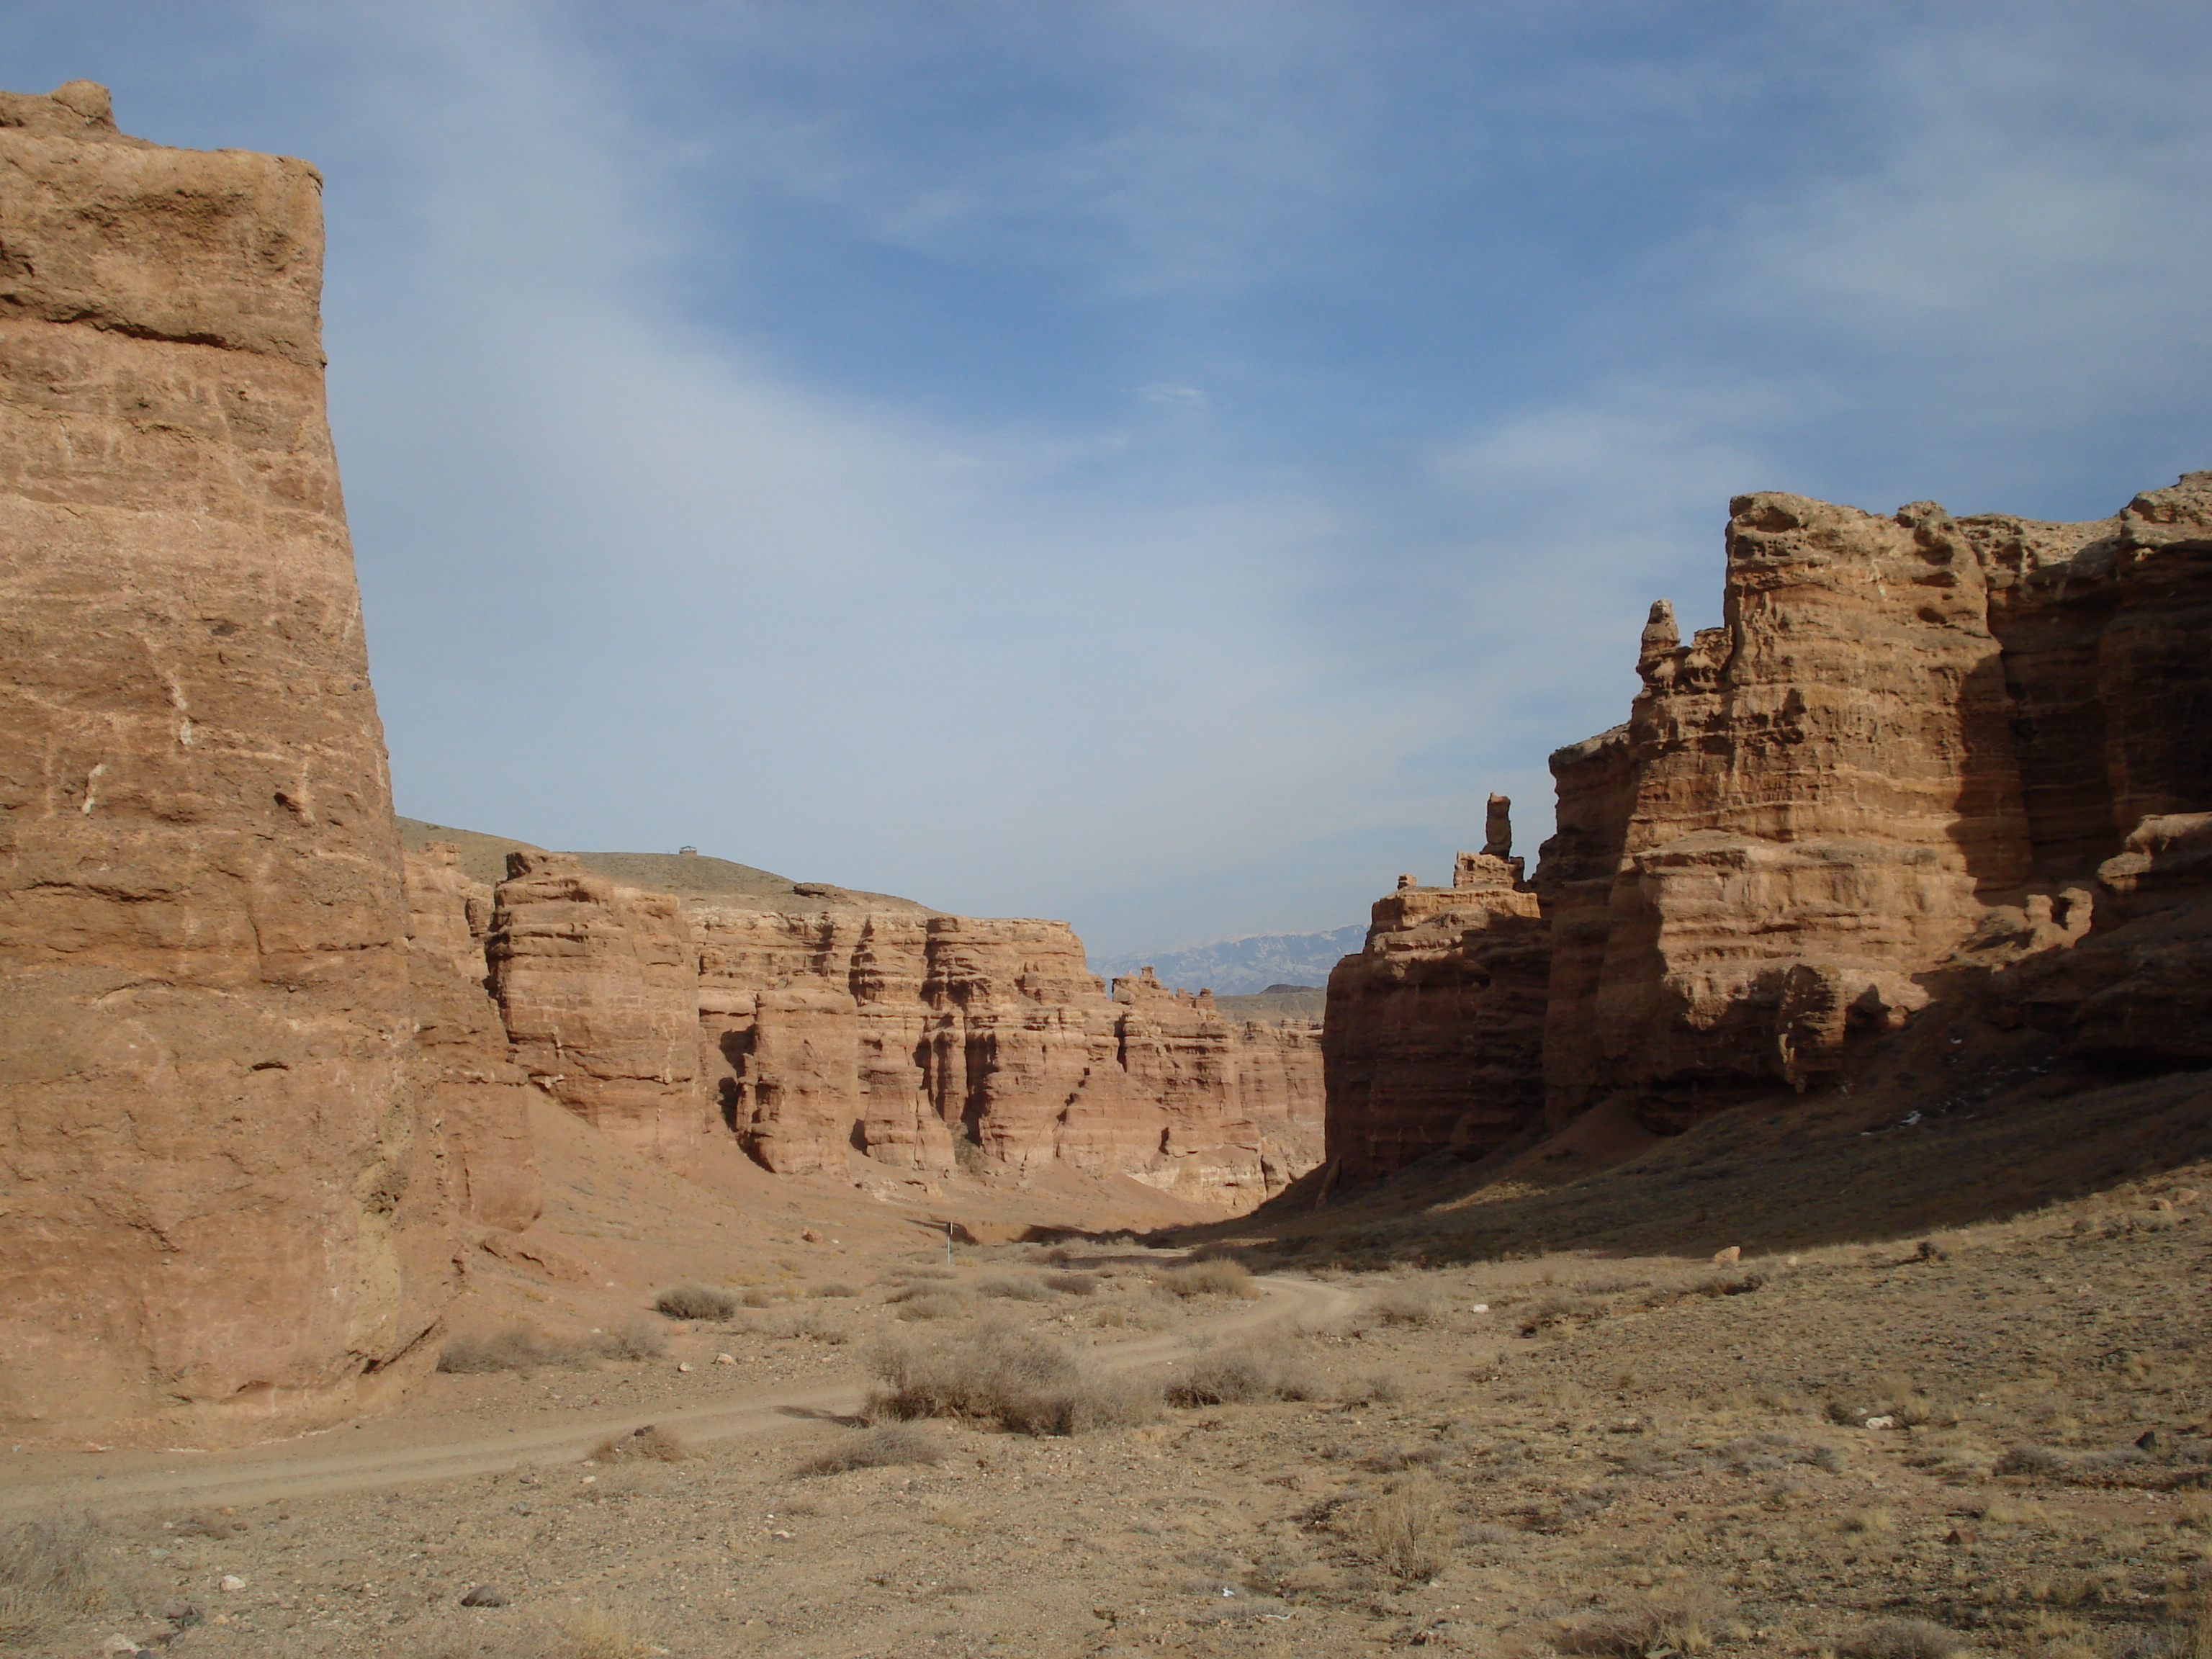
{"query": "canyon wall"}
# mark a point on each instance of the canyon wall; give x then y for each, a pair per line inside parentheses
(1913, 734)
(1432, 1042)
(923, 1041)
(219, 1201)
(1924, 759)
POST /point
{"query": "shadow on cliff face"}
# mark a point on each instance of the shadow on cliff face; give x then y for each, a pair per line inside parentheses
(1969, 1130)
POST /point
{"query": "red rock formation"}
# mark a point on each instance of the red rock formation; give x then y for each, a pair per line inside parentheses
(1909, 729)
(217, 1201)
(1432, 1041)
(597, 986)
(476, 1096)
(918, 1039)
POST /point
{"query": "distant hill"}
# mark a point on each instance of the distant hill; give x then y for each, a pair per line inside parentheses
(1277, 1003)
(1244, 966)
(692, 875)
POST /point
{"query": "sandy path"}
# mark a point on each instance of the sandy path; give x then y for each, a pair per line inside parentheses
(393, 1452)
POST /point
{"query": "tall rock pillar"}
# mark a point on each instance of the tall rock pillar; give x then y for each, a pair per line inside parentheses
(215, 1202)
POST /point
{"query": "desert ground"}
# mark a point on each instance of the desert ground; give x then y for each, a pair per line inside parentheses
(1991, 1439)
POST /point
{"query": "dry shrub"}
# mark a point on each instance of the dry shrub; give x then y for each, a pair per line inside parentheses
(696, 1302)
(517, 1348)
(1073, 1284)
(603, 1633)
(48, 1574)
(1905, 1639)
(760, 1298)
(1406, 1302)
(881, 1447)
(2034, 1461)
(1000, 1375)
(647, 1444)
(1015, 1288)
(811, 1327)
(632, 1339)
(936, 1304)
(834, 1289)
(1375, 1389)
(1241, 1375)
(1681, 1621)
(1408, 1531)
(1219, 1277)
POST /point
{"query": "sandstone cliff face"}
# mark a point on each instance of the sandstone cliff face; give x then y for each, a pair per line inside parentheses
(477, 1098)
(597, 984)
(922, 1040)
(1908, 727)
(217, 1200)
(1433, 1038)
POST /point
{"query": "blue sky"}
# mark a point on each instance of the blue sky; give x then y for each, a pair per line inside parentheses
(1158, 465)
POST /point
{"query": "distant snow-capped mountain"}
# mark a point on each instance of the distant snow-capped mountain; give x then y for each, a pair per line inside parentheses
(1240, 967)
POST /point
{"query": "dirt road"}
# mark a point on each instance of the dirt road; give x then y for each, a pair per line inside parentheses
(394, 1452)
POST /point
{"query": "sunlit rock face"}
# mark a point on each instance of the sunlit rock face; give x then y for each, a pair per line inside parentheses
(1432, 1042)
(923, 1041)
(1908, 729)
(219, 1203)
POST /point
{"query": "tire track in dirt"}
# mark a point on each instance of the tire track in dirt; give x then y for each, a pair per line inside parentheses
(303, 1469)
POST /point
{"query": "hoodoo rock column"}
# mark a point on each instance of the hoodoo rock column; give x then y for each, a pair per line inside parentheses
(216, 1199)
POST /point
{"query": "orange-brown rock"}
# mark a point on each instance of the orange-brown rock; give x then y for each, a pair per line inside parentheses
(217, 1202)
(1433, 1038)
(920, 1039)
(1909, 730)
(474, 1094)
(597, 986)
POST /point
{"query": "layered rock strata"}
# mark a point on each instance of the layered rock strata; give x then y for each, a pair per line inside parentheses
(217, 1198)
(1433, 1038)
(598, 984)
(1924, 758)
(1913, 734)
(476, 1098)
(922, 1042)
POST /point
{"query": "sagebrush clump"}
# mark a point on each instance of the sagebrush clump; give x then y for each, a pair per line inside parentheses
(1012, 1378)
(883, 1446)
(1219, 1277)
(696, 1302)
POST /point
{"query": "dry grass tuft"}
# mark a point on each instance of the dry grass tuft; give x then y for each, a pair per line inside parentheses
(1241, 1375)
(517, 1348)
(932, 1304)
(1015, 1288)
(1407, 1303)
(1218, 1276)
(1073, 1284)
(1905, 1639)
(834, 1289)
(1000, 1375)
(881, 1447)
(48, 1574)
(696, 1302)
(647, 1444)
(1681, 1620)
(632, 1339)
(1408, 1531)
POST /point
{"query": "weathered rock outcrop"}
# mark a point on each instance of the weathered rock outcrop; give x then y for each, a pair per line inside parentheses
(216, 1199)
(1909, 730)
(1925, 759)
(923, 1040)
(472, 1092)
(1433, 1037)
(597, 986)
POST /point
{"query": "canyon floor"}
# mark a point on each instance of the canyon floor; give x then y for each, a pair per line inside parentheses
(1996, 1440)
